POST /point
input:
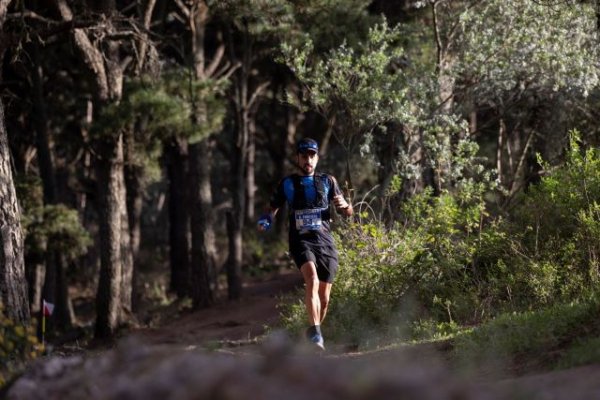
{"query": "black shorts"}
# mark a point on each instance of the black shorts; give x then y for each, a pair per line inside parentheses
(324, 256)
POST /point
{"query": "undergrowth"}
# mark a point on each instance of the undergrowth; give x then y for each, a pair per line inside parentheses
(18, 345)
(445, 263)
(561, 336)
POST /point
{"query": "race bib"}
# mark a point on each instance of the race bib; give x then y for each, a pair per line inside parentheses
(308, 220)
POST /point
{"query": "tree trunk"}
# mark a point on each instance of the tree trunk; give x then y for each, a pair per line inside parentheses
(40, 122)
(202, 229)
(179, 217)
(127, 266)
(203, 237)
(280, 158)
(234, 261)
(108, 298)
(36, 274)
(55, 292)
(413, 145)
(447, 84)
(64, 316)
(250, 170)
(239, 159)
(235, 217)
(133, 184)
(116, 269)
(13, 284)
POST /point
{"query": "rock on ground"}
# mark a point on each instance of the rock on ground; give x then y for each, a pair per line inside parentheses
(280, 370)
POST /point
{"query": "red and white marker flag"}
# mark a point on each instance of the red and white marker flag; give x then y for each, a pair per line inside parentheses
(48, 308)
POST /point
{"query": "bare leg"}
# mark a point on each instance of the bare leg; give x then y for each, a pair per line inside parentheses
(311, 296)
(324, 292)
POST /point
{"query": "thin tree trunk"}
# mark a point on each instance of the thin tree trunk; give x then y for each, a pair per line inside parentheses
(56, 292)
(234, 261)
(203, 239)
(413, 144)
(202, 228)
(133, 184)
(235, 218)
(324, 145)
(499, 150)
(293, 120)
(250, 171)
(40, 121)
(116, 270)
(179, 217)
(35, 270)
(127, 266)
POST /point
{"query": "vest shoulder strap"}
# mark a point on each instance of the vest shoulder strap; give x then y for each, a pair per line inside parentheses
(299, 198)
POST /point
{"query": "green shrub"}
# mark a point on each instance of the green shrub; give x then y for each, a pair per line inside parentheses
(49, 227)
(450, 263)
(551, 336)
(558, 224)
(18, 345)
(583, 351)
(422, 269)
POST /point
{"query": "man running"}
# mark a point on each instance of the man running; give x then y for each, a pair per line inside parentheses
(308, 196)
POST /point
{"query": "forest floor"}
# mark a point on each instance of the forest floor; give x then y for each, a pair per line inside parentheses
(241, 338)
(227, 324)
(238, 327)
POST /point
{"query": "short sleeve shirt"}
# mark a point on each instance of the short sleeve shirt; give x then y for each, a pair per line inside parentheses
(308, 209)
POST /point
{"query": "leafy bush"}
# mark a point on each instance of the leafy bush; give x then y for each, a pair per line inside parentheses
(558, 223)
(49, 227)
(422, 268)
(448, 262)
(556, 335)
(18, 345)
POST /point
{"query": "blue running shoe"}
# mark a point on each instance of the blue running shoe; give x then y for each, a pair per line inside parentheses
(317, 339)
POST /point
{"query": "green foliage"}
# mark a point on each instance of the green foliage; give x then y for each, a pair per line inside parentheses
(261, 18)
(293, 312)
(18, 345)
(506, 45)
(558, 223)
(430, 329)
(174, 105)
(329, 23)
(556, 335)
(362, 84)
(582, 352)
(421, 269)
(369, 86)
(266, 251)
(49, 227)
(447, 262)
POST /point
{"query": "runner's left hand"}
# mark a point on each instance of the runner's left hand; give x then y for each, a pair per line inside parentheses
(339, 202)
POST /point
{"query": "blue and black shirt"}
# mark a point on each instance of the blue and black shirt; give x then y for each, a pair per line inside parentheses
(308, 199)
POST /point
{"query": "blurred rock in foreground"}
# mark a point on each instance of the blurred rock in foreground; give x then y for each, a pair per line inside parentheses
(278, 371)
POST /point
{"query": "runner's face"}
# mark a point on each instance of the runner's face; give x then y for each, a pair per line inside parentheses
(308, 162)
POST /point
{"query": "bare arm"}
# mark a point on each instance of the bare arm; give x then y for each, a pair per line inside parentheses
(342, 205)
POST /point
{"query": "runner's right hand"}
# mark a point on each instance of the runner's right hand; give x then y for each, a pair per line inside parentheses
(265, 222)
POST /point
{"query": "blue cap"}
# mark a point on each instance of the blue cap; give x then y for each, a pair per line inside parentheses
(306, 145)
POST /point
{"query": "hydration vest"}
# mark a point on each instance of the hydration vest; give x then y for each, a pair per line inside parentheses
(300, 202)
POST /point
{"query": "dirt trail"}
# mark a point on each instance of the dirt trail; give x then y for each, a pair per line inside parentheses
(236, 325)
(171, 362)
(230, 322)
